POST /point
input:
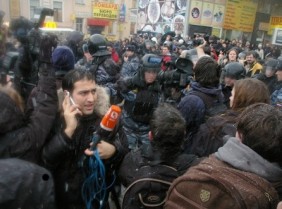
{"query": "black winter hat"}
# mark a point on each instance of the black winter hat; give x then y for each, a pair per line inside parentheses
(271, 64)
(235, 70)
(130, 48)
(63, 60)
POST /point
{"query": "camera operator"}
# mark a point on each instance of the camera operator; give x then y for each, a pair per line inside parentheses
(31, 53)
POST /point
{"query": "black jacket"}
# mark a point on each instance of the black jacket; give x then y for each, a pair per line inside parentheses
(209, 136)
(66, 158)
(25, 185)
(146, 156)
(23, 135)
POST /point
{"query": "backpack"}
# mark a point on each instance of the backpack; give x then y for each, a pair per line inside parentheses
(215, 184)
(212, 105)
(149, 189)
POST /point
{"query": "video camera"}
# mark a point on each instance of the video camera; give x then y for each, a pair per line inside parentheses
(200, 41)
(35, 36)
(180, 73)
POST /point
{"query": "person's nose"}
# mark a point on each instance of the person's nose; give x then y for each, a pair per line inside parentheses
(90, 97)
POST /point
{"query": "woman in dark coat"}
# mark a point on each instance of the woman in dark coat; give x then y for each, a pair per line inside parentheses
(23, 133)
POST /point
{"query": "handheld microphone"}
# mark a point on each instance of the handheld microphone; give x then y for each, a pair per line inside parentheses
(107, 124)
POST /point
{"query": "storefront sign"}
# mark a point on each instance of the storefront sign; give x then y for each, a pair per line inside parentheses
(275, 22)
(97, 22)
(105, 10)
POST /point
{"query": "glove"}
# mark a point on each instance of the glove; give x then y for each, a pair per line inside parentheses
(47, 44)
(121, 86)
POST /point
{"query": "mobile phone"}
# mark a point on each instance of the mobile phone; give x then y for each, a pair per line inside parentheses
(71, 99)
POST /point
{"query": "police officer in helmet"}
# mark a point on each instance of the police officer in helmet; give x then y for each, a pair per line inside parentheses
(141, 94)
(103, 67)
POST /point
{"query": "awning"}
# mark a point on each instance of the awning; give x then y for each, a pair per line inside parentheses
(98, 22)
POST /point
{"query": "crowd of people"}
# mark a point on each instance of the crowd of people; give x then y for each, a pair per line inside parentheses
(187, 104)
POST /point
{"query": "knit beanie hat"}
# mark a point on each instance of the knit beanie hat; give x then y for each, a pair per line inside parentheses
(63, 60)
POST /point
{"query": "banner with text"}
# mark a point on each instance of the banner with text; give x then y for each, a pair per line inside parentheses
(105, 10)
(240, 15)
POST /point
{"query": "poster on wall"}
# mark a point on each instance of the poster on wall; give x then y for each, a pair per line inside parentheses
(195, 12)
(161, 16)
(218, 15)
(207, 14)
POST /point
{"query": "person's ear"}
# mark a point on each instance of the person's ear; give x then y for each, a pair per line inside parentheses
(150, 136)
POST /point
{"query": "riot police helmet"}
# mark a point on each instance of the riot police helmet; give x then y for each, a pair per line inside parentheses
(97, 46)
(151, 62)
(234, 70)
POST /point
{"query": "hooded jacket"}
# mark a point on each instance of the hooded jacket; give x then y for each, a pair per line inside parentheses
(244, 158)
(192, 106)
(65, 156)
(23, 135)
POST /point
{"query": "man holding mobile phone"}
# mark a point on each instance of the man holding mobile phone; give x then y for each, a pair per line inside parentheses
(64, 154)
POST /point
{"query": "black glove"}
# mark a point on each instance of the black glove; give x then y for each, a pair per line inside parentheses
(47, 44)
(122, 86)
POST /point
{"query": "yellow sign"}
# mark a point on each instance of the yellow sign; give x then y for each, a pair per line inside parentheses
(50, 25)
(240, 15)
(105, 10)
(216, 32)
(275, 22)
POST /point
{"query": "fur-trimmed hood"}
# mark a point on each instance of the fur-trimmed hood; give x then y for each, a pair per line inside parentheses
(103, 102)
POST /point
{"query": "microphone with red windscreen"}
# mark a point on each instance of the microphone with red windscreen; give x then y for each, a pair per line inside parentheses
(107, 125)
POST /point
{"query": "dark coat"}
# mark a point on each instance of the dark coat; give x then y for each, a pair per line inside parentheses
(146, 156)
(23, 135)
(193, 108)
(65, 157)
(25, 185)
(209, 136)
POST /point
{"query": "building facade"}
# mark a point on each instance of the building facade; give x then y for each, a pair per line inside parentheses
(80, 15)
(251, 20)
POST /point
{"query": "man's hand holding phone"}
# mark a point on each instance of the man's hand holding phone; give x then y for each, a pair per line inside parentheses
(71, 110)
